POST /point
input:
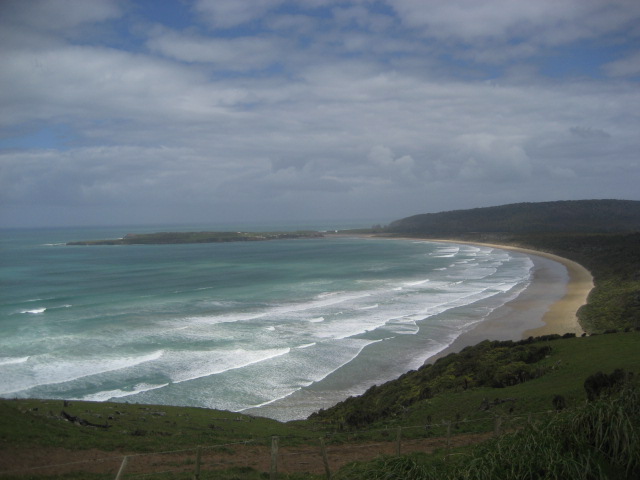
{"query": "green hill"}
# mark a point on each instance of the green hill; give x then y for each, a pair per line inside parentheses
(593, 216)
(492, 377)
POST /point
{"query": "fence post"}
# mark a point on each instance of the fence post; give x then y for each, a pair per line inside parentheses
(274, 458)
(448, 434)
(325, 459)
(196, 475)
(125, 460)
(498, 426)
(399, 441)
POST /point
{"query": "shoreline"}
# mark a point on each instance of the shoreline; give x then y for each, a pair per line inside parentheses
(516, 320)
(531, 314)
(562, 315)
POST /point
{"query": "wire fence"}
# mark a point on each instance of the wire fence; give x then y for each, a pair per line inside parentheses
(321, 455)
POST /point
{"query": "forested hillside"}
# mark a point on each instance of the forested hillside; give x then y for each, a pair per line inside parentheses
(593, 216)
(614, 262)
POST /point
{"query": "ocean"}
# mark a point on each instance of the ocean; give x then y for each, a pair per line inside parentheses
(244, 326)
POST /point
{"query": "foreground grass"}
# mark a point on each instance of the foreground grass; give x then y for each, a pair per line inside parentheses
(595, 441)
(131, 427)
(236, 473)
(570, 362)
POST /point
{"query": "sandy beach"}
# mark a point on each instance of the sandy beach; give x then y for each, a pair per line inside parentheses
(559, 287)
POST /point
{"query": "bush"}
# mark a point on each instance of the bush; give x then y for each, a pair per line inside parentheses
(559, 402)
(600, 383)
(600, 440)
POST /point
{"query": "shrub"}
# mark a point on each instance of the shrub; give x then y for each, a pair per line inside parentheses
(600, 383)
(600, 440)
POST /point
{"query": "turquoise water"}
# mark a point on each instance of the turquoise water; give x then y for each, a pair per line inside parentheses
(236, 325)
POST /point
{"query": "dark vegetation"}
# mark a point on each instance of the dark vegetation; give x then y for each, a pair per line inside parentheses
(496, 364)
(164, 238)
(614, 262)
(599, 440)
(585, 216)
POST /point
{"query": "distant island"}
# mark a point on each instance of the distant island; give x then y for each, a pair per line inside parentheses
(169, 238)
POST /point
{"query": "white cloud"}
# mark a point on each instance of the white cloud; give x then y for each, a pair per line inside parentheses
(88, 84)
(245, 53)
(296, 23)
(470, 20)
(556, 22)
(363, 18)
(625, 67)
(494, 159)
(338, 111)
(391, 168)
(499, 30)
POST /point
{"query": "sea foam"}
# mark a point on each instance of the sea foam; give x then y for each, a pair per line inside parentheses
(12, 360)
(193, 365)
(35, 311)
(119, 393)
(46, 370)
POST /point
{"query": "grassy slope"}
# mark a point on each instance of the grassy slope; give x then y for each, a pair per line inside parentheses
(598, 440)
(154, 428)
(133, 427)
(570, 362)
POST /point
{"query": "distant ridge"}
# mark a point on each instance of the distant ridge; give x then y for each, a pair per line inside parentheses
(577, 216)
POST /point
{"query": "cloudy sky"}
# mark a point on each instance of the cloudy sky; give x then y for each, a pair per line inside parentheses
(209, 111)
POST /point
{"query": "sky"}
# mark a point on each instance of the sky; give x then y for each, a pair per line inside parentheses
(213, 111)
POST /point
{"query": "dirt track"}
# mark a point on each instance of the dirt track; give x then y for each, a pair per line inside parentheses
(301, 459)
